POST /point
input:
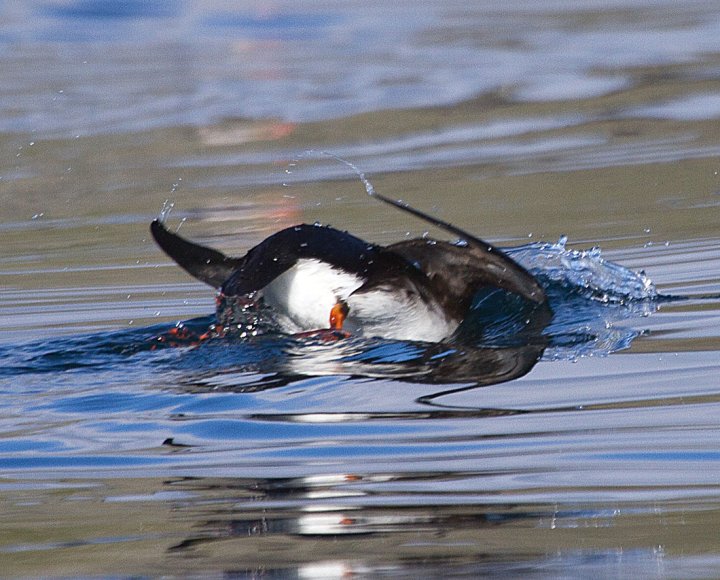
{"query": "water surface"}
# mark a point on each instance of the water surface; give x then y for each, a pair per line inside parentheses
(593, 452)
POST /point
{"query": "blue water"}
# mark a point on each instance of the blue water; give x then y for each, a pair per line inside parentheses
(580, 446)
(269, 438)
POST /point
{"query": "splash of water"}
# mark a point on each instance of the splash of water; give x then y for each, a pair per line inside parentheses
(165, 211)
(584, 271)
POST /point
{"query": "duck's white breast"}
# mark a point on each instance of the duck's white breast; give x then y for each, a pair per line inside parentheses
(387, 313)
(303, 296)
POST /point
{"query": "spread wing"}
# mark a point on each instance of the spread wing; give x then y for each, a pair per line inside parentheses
(468, 267)
(452, 273)
(205, 264)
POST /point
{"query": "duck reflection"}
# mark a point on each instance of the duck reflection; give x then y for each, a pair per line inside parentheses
(295, 360)
(266, 519)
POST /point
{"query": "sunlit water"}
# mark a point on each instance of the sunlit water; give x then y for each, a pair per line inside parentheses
(587, 447)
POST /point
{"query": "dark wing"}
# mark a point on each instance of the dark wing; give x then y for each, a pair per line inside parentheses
(460, 271)
(464, 268)
(205, 264)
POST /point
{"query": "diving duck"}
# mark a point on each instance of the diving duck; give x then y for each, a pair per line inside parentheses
(316, 277)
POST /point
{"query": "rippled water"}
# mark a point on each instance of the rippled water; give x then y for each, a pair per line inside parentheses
(586, 448)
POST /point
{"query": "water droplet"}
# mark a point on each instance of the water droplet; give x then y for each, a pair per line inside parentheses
(166, 210)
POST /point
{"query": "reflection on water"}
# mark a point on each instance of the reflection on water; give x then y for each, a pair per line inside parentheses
(424, 538)
(585, 448)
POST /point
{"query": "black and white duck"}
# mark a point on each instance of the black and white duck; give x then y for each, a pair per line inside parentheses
(316, 277)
